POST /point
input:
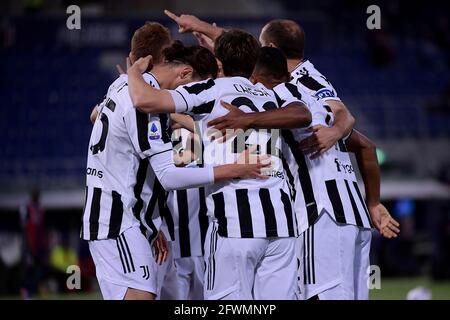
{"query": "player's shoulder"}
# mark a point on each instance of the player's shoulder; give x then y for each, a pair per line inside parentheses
(313, 81)
(241, 85)
(288, 91)
(118, 90)
(120, 82)
(307, 68)
(285, 86)
(198, 87)
(151, 80)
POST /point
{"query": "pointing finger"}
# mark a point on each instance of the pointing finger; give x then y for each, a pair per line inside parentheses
(171, 15)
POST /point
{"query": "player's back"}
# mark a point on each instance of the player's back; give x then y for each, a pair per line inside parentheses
(327, 182)
(117, 174)
(248, 97)
(110, 149)
(243, 207)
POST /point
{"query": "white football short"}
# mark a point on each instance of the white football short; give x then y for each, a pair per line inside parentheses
(333, 261)
(249, 268)
(191, 271)
(122, 263)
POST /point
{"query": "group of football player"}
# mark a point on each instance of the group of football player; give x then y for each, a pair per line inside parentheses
(223, 171)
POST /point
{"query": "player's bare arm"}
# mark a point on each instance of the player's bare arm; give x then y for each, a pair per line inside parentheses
(247, 166)
(160, 248)
(294, 115)
(144, 96)
(180, 120)
(96, 110)
(323, 138)
(365, 153)
(204, 41)
(93, 115)
(343, 119)
(190, 23)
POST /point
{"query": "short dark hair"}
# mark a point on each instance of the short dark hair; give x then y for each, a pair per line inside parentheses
(272, 64)
(201, 60)
(204, 63)
(150, 39)
(288, 36)
(237, 50)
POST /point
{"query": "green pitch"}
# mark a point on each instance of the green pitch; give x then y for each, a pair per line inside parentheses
(391, 289)
(397, 288)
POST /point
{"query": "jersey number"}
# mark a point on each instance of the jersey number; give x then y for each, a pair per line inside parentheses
(100, 145)
(239, 147)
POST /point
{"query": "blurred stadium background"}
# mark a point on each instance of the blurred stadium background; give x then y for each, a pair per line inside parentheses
(395, 81)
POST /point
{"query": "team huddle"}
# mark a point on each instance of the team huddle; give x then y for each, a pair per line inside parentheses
(223, 171)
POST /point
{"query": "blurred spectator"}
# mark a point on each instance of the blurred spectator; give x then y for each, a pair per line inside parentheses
(60, 258)
(10, 259)
(35, 244)
(87, 267)
(381, 48)
(7, 33)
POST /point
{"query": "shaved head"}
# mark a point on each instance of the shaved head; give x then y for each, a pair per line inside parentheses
(285, 35)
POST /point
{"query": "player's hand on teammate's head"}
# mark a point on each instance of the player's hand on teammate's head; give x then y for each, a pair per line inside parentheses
(142, 64)
(383, 221)
(186, 22)
(319, 142)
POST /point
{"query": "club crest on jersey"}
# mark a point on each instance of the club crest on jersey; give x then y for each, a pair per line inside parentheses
(324, 93)
(154, 132)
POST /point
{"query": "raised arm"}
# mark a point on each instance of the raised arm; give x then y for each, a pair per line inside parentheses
(365, 153)
(144, 96)
(294, 115)
(190, 23)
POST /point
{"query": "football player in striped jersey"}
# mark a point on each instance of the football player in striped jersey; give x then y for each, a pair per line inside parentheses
(251, 218)
(129, 163)
(333, 218)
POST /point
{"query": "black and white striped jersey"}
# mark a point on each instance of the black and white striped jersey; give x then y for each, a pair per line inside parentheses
(121, 188)
(244, 208)
(186, 215)
(190, 221)
(327, 183)
(312, 82)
